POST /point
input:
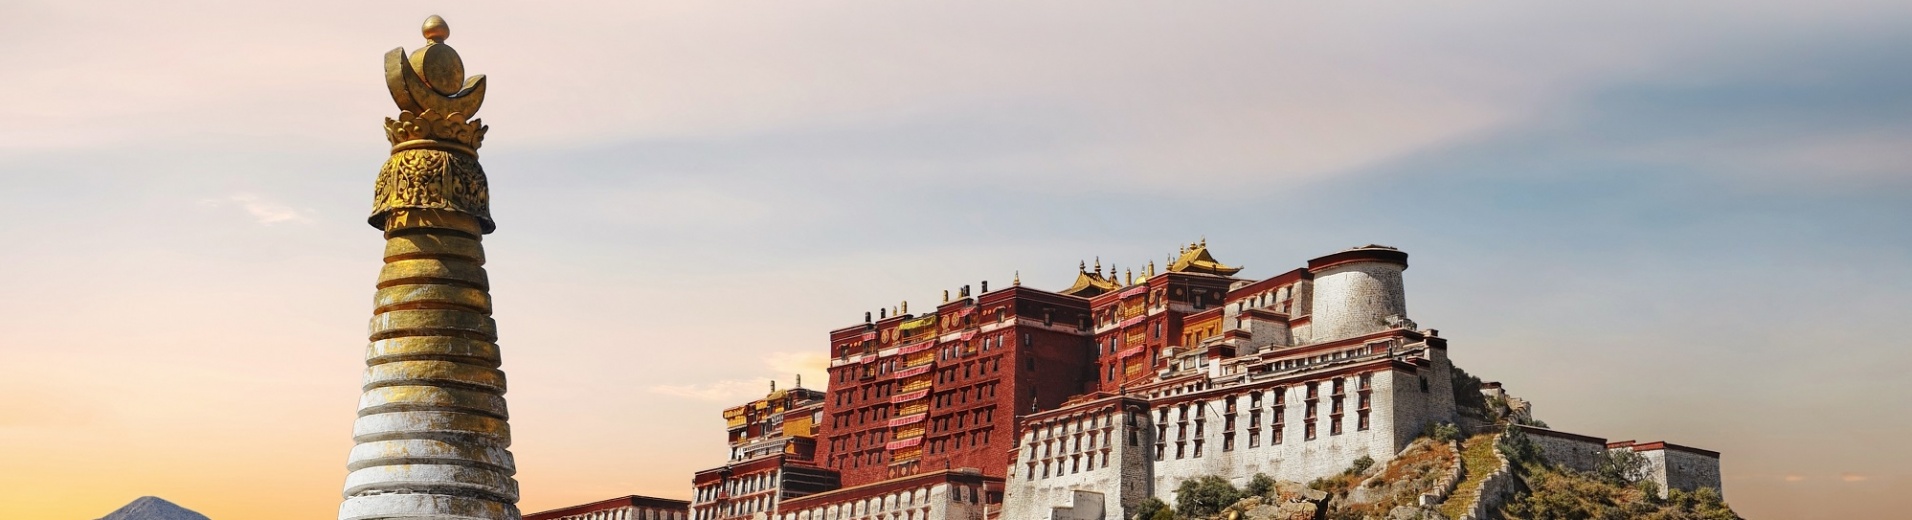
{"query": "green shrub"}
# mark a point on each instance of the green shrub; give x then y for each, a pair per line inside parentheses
(1444, 432)
(1205, 496)
(1361, 465)
(1519, 449)
(1260, 486)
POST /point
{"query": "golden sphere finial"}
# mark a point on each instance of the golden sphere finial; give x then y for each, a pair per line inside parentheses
(436, 29)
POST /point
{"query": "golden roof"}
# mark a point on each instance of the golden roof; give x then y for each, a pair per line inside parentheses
(1196, 259)
(1090, 284)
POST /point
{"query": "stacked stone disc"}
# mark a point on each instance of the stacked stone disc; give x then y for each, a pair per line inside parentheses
(431, 428)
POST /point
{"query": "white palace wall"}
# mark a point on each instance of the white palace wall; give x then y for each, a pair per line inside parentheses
(1130, 457)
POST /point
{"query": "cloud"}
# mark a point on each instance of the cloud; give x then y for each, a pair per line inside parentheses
(731, 391)
(1795, 478)
(1149, 96)
(781, 366)
(807, 363)
(263, 210)
(1854, 477)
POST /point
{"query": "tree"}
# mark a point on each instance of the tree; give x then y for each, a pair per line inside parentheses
(1621, 468)
(1467, 391)
(1521, 450)
(1205, 496)
(1152, 509)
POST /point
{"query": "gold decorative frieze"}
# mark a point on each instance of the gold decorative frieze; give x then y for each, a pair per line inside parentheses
(432, 179)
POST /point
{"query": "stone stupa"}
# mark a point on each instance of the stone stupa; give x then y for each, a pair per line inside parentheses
(431, 431)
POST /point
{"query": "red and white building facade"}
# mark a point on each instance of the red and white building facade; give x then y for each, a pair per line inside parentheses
(1081, 403)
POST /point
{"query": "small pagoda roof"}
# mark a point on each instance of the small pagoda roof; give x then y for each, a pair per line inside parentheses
(1196, 259)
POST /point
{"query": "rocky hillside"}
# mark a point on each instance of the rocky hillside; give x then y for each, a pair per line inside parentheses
(1448, 475)
(1613, 490)
(1439, 479)
(153, 508)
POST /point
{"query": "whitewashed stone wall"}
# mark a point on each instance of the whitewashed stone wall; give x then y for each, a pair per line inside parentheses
(1264, 333)
(1352, 299)
(1676, 469)
(1575, 452)
(1087, 506)
(1399, 413)
(1050, 471)
(1421, 399)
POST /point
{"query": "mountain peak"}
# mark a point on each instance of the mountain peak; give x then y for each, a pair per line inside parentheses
(153, 508)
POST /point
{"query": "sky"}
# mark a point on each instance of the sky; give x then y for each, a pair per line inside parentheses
(1657, 221)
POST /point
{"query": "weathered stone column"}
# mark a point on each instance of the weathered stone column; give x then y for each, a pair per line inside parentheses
(431, 433)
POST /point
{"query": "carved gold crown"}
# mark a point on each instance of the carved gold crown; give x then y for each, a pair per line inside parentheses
(434, 161)
(434, 97)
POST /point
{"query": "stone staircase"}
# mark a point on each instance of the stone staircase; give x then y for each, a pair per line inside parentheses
(1487, 477)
